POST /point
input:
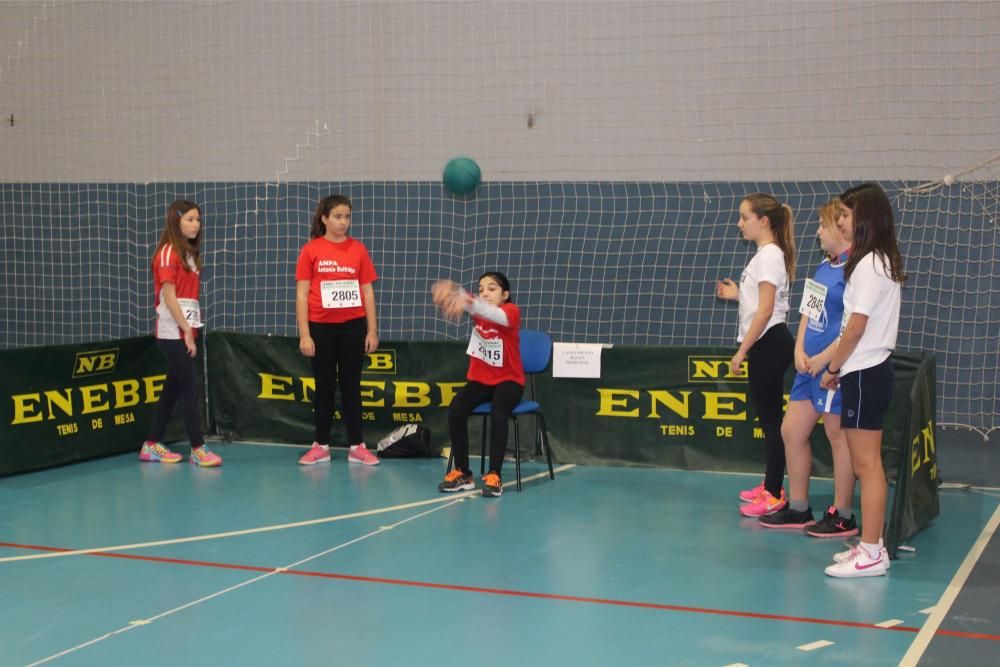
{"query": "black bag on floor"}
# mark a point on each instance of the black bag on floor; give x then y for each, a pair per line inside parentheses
(407, 442)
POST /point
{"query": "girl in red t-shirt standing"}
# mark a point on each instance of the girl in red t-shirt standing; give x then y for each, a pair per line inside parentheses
(496, 374)
(176, 266)
(335, 313)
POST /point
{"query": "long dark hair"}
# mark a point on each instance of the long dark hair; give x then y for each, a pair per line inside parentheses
(501, 280)
(874, 229)
(186, 249)
(782, 225)
(323, 208)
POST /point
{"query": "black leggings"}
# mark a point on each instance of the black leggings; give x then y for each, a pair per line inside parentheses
(767, 362)
(340, 356)
(182, 385)
(504, 397)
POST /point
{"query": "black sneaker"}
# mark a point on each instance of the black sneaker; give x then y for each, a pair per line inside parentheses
(788, 518)
(833, 525)
(456, 480)
(492, 486)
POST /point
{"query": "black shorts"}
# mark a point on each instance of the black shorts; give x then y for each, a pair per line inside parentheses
(865, 396)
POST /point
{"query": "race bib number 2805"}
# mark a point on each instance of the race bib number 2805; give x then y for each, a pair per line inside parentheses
(340, 293)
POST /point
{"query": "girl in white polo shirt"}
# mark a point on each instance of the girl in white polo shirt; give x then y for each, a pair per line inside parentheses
(862, 367)
(765, 341)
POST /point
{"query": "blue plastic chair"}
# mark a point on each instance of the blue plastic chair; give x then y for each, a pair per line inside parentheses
(536, 352)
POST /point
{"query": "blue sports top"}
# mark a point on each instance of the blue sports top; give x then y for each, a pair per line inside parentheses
(820, 334)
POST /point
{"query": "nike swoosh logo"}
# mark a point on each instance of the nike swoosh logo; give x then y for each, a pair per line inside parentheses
(859, 566)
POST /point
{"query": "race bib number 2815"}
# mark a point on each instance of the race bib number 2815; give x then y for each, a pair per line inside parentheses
(489, 350)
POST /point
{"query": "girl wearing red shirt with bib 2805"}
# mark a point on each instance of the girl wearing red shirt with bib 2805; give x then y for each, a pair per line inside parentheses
(176, 266)
(335, 313)
(496, 374)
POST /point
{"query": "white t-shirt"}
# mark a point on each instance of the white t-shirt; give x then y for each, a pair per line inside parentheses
(871, 291)
(767, 266)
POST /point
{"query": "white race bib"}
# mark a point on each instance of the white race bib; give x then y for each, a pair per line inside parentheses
(813, 300)
(489, 350)
(843, 321)
(192, 312)
(340, 293)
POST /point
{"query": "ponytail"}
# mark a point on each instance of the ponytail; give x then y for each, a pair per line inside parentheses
(782, 225)
(786, 241)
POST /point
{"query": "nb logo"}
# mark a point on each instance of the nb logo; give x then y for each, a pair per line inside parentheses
(95, 362)
(382, 362)
(714, 369)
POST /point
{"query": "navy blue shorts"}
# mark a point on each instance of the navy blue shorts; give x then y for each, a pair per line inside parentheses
(865, 396)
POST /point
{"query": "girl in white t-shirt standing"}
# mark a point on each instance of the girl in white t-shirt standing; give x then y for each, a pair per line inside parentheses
(861, 365)
(765, 341)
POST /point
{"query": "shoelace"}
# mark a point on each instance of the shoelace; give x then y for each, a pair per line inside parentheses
(491, 479)
(453, 475)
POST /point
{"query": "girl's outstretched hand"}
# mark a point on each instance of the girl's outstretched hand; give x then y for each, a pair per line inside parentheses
(448, 296)
(442, 291)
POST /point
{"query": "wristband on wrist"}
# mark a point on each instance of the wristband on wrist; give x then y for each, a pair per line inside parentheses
(832, 372)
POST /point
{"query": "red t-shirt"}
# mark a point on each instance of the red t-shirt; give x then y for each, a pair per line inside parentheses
(168, 268)
(495, 351)
(336, 272)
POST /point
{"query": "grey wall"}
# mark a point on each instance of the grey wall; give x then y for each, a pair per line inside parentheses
(661, 91)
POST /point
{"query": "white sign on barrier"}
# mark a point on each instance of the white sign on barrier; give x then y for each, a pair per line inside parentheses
(576, 360)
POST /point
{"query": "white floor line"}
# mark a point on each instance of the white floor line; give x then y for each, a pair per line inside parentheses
(941, 609)
(266, 529)
(812, 646)
(278, 570)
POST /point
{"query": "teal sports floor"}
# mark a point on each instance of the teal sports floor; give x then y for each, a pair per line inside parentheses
(265, 562)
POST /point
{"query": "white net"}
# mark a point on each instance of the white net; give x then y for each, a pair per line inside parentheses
(951, 233)
(616, 140)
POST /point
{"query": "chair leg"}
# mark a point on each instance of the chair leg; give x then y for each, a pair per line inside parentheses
(543, 433)
(482, 449)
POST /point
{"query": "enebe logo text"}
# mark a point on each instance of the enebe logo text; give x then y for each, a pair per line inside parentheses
(693, 407)
(70, 402)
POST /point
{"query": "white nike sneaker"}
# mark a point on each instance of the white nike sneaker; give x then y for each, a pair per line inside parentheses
(859, 563)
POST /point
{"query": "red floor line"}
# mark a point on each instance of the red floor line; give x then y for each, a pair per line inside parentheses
(509, 592)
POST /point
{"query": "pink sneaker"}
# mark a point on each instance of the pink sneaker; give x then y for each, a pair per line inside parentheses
(767, 504)
(202, 457)
(154, 452)
(316, 454)
(752, 495)
(360, 454)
